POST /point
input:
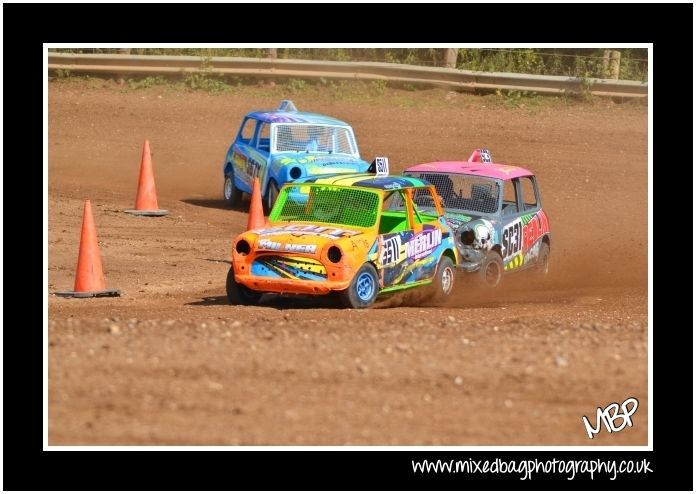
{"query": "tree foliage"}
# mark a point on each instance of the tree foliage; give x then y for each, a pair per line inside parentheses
(575, 62)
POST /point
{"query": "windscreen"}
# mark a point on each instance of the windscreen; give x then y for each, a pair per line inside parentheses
(316, 203)
(314, 139)
(466, 193)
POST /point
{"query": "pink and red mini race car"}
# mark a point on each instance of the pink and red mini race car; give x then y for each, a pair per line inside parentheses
(496, 213)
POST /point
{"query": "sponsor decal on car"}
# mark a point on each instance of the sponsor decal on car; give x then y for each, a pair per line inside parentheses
(520, 243)
(294, 268)
(298, 230)
(300, 248)
(424, 243)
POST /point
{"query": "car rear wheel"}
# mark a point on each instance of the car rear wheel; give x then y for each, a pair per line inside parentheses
(491, 272)
(543, 260)
(238, 294)
(444, 279)
(230, 192)
(363, 289)
(271, 197)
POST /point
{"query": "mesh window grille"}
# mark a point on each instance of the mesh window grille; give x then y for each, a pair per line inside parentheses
(424, 199)
(313, 139)
(339, 206)
(464, 192)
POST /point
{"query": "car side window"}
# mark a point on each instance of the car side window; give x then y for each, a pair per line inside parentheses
(424, 203)
(263, 137)
(509, 198)
(246, 133)
(394, 215)
(529, 197)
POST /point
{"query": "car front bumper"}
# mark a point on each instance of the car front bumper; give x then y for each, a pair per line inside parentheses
(289, 286)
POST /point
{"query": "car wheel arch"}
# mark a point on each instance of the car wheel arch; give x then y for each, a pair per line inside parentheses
(450, 253)
(442, 282)
(265, 191)
(267, 183)
(374, 265)
(379, 274)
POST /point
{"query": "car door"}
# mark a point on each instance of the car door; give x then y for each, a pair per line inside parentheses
(250, 153)
(511, 238)
(405, 242)
(524, 223)
(241, 157)
(258, 153)
(534, 222)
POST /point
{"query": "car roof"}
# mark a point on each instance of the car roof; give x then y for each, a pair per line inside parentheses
(490, 170)
(273, 116)
(367, 180)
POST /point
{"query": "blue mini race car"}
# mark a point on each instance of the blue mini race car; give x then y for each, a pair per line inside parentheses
(283, 145)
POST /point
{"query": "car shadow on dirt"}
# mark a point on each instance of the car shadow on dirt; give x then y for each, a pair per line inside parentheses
(207, 301)
(280, 302)
(243, 207)
(226, 261)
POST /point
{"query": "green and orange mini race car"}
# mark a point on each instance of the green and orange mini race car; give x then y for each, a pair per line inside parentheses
(360, 235)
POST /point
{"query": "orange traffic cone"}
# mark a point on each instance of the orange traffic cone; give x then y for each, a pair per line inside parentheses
(89, 279)
(146, 199)
(256, 219)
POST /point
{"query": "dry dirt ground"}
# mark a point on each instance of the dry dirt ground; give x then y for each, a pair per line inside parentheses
(170, 362)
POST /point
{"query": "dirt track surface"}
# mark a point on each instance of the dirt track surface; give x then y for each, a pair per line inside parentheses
(170, 362)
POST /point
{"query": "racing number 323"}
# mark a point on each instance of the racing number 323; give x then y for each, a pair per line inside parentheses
(512, 239)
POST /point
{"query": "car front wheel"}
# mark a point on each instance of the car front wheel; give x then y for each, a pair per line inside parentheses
(271, 196)
(363, 289)
(491, 272)
(238, 294)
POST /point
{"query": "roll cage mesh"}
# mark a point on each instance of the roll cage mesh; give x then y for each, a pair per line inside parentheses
(469, 193)
(330, 204)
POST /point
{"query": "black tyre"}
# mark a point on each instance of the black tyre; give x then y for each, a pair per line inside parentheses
(443, 283)
(230, 192)
(363, 289)
(542, 267)
(239, 294)
(271, 196)
(491, 272)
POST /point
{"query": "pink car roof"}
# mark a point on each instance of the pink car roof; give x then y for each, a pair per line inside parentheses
(490, 170)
